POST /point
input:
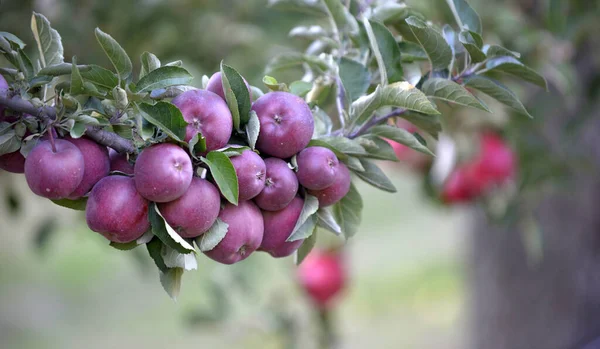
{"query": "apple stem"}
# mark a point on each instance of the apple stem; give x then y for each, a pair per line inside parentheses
(51, 135)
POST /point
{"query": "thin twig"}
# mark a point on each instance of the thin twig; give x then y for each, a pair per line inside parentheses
(47, 113)
(374, 121)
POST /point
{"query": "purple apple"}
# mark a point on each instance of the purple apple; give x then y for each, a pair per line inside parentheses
(244, 234)
(286, 124)
(96, 164)
(195, 212)
(337, 190)
(162, 172)
(281, 186)
(116, 210)
(118, 162)
(278, 227)
(54, 173)
(206, 113)
(13, 162)
(251, 172)
(316, 168)
(215, 85)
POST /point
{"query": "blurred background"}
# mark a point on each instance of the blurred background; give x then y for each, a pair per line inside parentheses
(422, 275)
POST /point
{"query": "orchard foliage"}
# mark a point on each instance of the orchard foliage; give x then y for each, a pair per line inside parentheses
(234, 168)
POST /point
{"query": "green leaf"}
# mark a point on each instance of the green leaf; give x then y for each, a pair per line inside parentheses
(77, 87)
(497, 91)
(78, 204)
(77, 130)
(493, 51)
(48, 41)
(237, 95)
(400, 94)
(306, 247)
(62, 69)
(390, 52)
(165, 233)
(100, 77)
(326, 220)
(197, 145)
(465, 16)
(163, 77)
(429, 123)
(9, 142)
(115, 53)
(301, 88)
(512, 66)
(401, 136)
(375, 176)
(294, 59)
(166, 117)
(390, 11)
(342, 17)
(213, 236)
(253, 129)
(344, 145)
(347, 212)
(325, 144)
(310, 207)
(233, 150)
(273, 85)
(174, 259)
(223, 173)
(155, 247)
(473, 44)
(127, 246)
(412, 52)
(451, 92)
(25, 64)
(14, 39)
(149, 63)
(434, 44)
(323, 124)
(377, 149)
(171, 281)
(308, 7)
(353, 163)
(355, 78)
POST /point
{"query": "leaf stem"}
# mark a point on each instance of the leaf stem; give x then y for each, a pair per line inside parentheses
(48, 114)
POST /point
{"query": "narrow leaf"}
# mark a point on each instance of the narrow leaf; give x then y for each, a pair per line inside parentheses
(310, 207)
(78, 204)
(166, 117)
(512, 66)
(116, 54)
(62, 69)
(497, 91)
(76, 79)
(434, 44)
(345, 145)
(171, 281)
(155, 247)
(253, 129)
(401, 136)
(375, 176)
(465, 16)
(165, 233)
(327, 220)
(451, 92)
(348, 212)
(306, 247)
(390, 52)
(223, 172)
(473, 45)
(213, 236)
(13, 38)
(377, 148)
(353, 163)
(235, 86)
(342, 17)
(163, 77)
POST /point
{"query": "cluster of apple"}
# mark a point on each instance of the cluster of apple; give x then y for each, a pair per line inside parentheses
(270, 189)
(494, 165)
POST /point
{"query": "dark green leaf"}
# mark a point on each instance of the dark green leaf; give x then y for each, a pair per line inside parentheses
(124, 246)
(428, 123)
(465, 16)
(306, 247)
(197, 145)
(213, 236)
(253, 129)
(76, 79)
(493, 51)
(163, 77)
(375, 176)
(48, 41)
(237, 95)
(25, 64)
(149, 63)
(355, 78)
(9, 142)
(377, 148)
(78, 204)
(497, 91)
(155, 247)
(412, 52)
(14, 39)
(451, 92)
(223, 172)
(434, 44)
(348, 211)
(390, 52)
(512, 66)
(401, 136)
(101, 77)
(344, 145)
(62, 69)
(310, 207)
(472, 42)
(116, 54)
(165, 233)
(166, 117)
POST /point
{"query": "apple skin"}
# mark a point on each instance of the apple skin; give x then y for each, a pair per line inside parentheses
(206, 113)
(316, 168)
(194, 212)
(286, 124)
(96, 164)
(13, 162)
(162, 172)
(116, 210)
(54, 175)
(251, 172)
(337, 190)
(322, 276)
(281, 186)
(278, 227)
(496, 162)
(244, 235)
(118, 162)
(215, 85)
(460, 186)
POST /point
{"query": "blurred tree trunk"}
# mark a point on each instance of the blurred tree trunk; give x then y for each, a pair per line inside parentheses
(554, 304)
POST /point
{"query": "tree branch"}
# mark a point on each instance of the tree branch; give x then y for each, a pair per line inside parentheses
(47, 113)
(374, 121)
